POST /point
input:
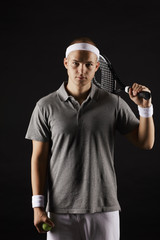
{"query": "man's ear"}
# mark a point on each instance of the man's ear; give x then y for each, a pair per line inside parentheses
(65, 63)
(97, 66)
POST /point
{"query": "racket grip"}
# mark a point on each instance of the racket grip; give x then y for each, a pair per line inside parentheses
(143, 94)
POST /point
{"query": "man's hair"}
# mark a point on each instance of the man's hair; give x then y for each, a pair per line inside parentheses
(83, 40)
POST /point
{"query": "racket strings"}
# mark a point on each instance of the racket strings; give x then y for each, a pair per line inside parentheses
(104, 77)
(107, 80)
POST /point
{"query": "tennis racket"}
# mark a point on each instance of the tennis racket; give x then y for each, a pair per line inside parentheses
(107, 79)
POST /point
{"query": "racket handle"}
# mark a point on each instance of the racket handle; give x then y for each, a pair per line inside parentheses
(143, 94)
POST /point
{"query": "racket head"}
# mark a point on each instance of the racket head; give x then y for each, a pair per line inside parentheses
(106, 78)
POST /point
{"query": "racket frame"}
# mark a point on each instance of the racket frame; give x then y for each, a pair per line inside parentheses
(144, 94)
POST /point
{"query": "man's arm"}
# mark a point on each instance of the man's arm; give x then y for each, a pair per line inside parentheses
(143, 136)
(39, 163)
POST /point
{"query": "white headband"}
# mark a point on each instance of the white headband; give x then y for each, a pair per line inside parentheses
(84, 47)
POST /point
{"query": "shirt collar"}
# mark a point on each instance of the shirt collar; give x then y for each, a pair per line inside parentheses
(64, 95)
(62, 92)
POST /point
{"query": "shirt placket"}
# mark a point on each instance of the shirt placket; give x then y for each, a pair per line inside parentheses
(78, 107)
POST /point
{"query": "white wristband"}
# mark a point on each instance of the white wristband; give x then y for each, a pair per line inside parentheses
(37, 201)
(145, 112)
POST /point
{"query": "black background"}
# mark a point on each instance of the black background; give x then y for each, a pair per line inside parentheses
(34, 36)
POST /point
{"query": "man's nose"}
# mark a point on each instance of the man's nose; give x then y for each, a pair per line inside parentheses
(81, 68)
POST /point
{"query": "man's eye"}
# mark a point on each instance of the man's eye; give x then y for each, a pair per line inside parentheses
(75, 63)
(88, 65)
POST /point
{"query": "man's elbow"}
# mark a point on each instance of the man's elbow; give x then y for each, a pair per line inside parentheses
(147, 146)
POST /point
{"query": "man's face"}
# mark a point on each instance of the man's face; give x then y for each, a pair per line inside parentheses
(81, 67)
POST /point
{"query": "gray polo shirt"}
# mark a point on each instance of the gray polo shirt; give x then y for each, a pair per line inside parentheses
(81, 176)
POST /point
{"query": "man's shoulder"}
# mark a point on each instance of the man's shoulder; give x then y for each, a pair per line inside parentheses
(108, 97)
(48, 100)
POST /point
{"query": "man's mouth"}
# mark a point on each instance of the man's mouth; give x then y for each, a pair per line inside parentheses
(81, 77)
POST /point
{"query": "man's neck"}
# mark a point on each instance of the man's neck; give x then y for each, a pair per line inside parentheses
(79, 92)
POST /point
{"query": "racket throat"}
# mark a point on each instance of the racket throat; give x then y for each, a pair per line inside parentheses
(118, 90)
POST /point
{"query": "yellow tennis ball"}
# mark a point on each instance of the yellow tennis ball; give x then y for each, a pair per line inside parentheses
(46, 227)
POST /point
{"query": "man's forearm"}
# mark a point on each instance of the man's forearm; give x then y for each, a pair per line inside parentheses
(143, 136)
(39, 164)
(146, 133)
(38, 175)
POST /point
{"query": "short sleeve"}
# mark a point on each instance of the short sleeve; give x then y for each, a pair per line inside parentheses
(126, 119)
(38, 128)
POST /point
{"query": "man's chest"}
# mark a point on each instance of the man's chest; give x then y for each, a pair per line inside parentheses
(90, 118)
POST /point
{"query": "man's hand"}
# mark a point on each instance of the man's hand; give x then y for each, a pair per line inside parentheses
(134, 90)
(40, 217)
(143, 136)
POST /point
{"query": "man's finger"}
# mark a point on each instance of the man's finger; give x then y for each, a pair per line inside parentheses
(49, 222)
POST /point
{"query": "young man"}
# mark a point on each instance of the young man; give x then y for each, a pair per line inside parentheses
(73, 132)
